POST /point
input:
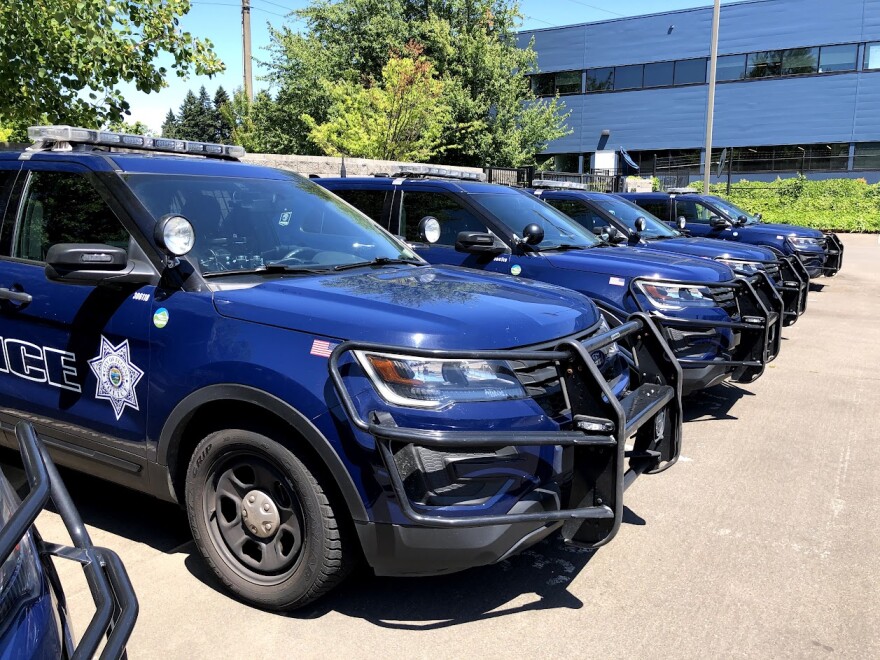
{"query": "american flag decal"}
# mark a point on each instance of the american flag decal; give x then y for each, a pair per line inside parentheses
(322, 348)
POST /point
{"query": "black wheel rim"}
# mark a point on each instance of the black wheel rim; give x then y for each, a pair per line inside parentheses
(245, 481)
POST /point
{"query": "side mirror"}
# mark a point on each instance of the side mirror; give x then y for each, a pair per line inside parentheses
(429, 229)
(640, 224)
(86, 263)
(718, 222)
(681, 223)
(477, 242)
(533, 234)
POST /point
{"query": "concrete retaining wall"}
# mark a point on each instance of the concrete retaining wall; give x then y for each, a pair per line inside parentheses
(329, 166)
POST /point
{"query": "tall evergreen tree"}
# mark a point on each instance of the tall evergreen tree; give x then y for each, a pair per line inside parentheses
(222, 126)
(169, 126)
(195, 119)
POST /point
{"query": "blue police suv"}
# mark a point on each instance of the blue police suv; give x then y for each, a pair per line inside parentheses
(712, 217)
(34, 620)
(620, 221)
(239, 340)
(719, 326)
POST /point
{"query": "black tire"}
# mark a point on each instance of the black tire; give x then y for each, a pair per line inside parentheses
(292, 550)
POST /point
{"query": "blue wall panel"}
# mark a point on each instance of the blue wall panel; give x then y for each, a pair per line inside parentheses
(813, 109)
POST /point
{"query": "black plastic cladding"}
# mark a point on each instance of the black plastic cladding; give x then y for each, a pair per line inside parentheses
(602, 454)
(115, 602)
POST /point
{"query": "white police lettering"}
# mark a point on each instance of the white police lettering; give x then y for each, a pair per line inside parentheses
(117, 376)
(39, 364)
(141, 297)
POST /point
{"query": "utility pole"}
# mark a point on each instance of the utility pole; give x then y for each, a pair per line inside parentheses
(710, 111)
(246, 48)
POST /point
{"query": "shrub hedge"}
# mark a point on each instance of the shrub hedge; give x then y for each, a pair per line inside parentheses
(845, 205)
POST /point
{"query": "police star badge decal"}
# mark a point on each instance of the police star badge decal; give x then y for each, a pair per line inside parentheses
(117, 376)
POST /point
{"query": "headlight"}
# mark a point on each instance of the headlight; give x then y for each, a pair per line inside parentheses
(748, 267)
(676, 296)
(434, 383)
(801, 242)
(601, 356)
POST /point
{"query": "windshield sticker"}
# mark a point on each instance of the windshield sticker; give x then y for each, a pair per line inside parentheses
(321, 348)
(117, 376)
(617, 281)
(40, 364)
(516, 269)
(285, 219)
(160, 318)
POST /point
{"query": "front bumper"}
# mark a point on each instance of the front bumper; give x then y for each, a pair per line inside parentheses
(584, 494)
(756, 312)
(116, 605)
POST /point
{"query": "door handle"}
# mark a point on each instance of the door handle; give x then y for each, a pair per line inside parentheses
(17, 296)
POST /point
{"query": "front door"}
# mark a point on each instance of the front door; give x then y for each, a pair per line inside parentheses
(74, 357)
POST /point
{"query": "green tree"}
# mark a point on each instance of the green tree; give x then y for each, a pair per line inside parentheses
(401, 118)
(169, 126)
(195, 118)
(137, 128)
(61, 60)
(471, 45)
(222, 128)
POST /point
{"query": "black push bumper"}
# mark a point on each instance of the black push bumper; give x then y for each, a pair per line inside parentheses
(792, 281)
(756, 310)
(833, 255)
(116, 606)
(589, 504)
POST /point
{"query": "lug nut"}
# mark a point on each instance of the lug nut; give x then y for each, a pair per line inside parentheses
(266, 506)
(252, 499)
(244, 513)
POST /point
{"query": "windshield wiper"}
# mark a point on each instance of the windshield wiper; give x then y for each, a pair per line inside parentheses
(379, 261)
(564, 246)
(269, 269)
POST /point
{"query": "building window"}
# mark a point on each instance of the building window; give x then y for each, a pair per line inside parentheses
(628, 77)
(600, 80)
(730, 67)
(659, 74)
(791, 158)
(872, 56)
(799, 61)
(689, 72)
(562, 82)
(764, 64)
(566, 162)
(543, 84)
(867, 156)
(838, 58)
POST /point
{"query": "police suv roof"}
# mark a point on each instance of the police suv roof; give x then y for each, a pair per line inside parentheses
(452, 185)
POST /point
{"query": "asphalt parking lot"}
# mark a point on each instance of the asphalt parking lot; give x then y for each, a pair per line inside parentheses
(764, 541)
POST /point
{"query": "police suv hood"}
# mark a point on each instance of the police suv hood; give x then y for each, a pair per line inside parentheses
(781, 230)
(631, 262)
(421, 306)
(713, 248)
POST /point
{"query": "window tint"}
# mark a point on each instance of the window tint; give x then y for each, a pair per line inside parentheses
(600, 80)
(628, 77)
(692, 211)
(764, 64)
(658, 208)
(61, 207)
(872, 56)
(543, 84)
(838, 58)
(730, 67)
(799, 61)
(7, 225)
(867, 156)
(369, 202)
(688, 72)
(659, 74)
(577, 211)
(568, 82)
(453, 217)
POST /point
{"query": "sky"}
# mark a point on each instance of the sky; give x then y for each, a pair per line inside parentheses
(220, 21)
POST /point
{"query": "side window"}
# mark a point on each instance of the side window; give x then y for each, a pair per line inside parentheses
(692, 211)
(62, 207)
(453, 217)
(584, 216)
(656, 208)
(7, 216)
(369, 202)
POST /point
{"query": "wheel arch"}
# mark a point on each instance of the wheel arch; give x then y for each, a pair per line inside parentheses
(183, 430)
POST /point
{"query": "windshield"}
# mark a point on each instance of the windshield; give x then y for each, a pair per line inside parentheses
(516, 209)
(242, 224)
(627, 213)
(732, 211)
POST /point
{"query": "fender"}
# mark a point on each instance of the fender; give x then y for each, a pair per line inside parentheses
(171, 432)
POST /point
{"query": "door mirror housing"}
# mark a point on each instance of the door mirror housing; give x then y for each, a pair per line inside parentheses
(533, 234)
(92, 263)
(477, 242)
(718, 222)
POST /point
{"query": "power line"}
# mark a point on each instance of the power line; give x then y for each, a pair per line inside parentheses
(238, 6)
(607, 11)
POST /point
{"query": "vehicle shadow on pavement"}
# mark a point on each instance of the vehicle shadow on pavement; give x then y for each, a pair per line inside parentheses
(714, 403)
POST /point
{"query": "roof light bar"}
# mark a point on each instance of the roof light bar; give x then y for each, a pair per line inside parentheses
(437, 171)
(57, 136)
(549, 183)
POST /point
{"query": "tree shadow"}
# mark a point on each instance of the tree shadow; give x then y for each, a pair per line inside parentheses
(713, 403)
